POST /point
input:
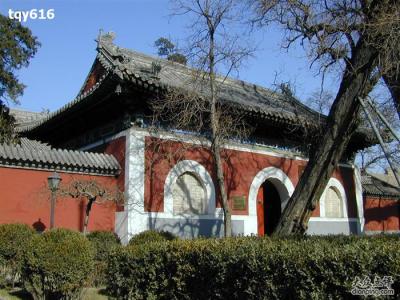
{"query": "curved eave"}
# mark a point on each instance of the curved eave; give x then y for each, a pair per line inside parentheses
(273, 115)
(106, 84)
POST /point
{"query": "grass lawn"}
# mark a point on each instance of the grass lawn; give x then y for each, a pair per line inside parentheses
(17, 294)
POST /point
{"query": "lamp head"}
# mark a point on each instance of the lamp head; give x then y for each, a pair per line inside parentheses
(54, 181)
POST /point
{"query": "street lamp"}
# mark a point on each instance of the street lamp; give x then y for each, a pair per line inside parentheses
(53, 181)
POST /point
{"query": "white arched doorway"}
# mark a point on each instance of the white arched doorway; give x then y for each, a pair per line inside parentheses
(269, 192)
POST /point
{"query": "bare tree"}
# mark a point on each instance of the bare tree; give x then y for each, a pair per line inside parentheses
(392, 80)
(197, 105)
(320, 101)
(361, 38)
(372, 157)
(93, 191)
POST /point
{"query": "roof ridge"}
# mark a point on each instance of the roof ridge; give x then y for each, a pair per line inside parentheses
(184, 68)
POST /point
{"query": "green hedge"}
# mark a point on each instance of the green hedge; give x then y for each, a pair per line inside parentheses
(57, 264)
(14, 239)
(251, 268)
(151, 236)
(103, 242)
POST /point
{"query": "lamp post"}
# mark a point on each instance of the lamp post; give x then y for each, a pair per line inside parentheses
(53, 181)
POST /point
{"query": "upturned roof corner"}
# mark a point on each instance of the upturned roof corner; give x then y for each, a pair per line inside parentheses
(105, 38)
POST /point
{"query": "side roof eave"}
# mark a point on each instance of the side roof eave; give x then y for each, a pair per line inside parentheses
(376, 187)
(36, 155)
(79, 100)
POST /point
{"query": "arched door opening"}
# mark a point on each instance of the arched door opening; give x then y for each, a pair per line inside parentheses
(268, 207)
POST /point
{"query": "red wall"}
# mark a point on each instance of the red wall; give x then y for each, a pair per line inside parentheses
(25, 198)
(240, 169)
(381, 214)
(117, 149)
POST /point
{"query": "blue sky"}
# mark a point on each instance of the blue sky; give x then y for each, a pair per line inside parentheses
(58, 70)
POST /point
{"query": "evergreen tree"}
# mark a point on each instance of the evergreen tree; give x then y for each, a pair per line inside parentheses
(168, 50)
(17, 47)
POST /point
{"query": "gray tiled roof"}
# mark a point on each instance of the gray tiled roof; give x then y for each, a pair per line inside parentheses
(33, 145)
(24, 119)
(34, 154)
(135, 67)
(249, 97)
(373, 186)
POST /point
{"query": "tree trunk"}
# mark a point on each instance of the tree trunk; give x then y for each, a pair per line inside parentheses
(215, 140)
(221, 184)
(87, 213)
(341, 123)
(393, 83)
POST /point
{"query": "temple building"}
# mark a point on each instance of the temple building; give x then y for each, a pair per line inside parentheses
(106, 134)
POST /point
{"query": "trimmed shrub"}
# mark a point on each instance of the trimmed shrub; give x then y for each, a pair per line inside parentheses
(57, 264)
(14, 238)
(103, 242)
(251, 268)
(151, 236)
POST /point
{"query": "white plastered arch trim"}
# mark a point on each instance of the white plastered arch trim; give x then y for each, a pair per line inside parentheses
(336, 184)
(281, 181)
(202, 175)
